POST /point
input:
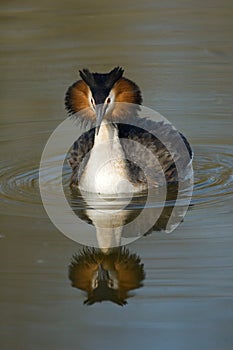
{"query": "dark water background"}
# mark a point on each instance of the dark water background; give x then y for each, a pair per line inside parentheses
(181, 55)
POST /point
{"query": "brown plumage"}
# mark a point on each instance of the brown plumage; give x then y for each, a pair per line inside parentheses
(77, 98)
(106, 276)
(124, 97)
(125, 90)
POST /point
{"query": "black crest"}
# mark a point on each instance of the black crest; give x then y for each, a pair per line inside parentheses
(101, 81)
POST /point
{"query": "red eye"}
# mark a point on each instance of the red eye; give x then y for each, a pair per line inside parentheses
(108, 100)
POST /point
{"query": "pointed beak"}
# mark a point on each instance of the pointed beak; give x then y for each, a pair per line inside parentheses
(100, 112)
(102, 273)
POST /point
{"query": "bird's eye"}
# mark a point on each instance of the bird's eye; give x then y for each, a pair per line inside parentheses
(108, 100)
(92, 102)
(110, 283)
(94, 283)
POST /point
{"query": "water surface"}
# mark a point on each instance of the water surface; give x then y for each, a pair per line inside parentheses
(181, 56)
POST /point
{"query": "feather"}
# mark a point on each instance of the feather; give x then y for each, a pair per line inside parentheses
(139, 166)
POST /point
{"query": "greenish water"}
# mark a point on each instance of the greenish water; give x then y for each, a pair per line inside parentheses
(180, 53)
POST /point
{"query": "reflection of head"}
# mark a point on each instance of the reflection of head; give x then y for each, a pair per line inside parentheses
(106, 276)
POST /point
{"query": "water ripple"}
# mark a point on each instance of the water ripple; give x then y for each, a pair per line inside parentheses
(212, 173)
(19, 187)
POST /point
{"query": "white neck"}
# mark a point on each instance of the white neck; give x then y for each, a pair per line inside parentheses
(105, 171)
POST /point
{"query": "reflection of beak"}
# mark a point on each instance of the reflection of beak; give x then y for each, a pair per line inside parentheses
(102, 273)
(100, 112)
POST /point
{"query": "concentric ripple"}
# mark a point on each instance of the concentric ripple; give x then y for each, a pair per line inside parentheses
(19, 189)
(19, 186)
(213, 173)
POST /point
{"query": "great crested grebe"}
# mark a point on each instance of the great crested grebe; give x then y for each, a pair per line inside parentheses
(116, 156)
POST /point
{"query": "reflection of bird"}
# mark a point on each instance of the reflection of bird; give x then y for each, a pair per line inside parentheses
(106, 276)
(116, 227)
(101, 159)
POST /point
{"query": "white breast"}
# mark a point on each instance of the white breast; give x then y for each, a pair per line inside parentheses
(105, 171)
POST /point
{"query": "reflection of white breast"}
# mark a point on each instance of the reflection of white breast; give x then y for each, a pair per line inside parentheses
(105, 171)
(108, 217)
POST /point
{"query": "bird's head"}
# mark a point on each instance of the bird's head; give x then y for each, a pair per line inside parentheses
(99, 92)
